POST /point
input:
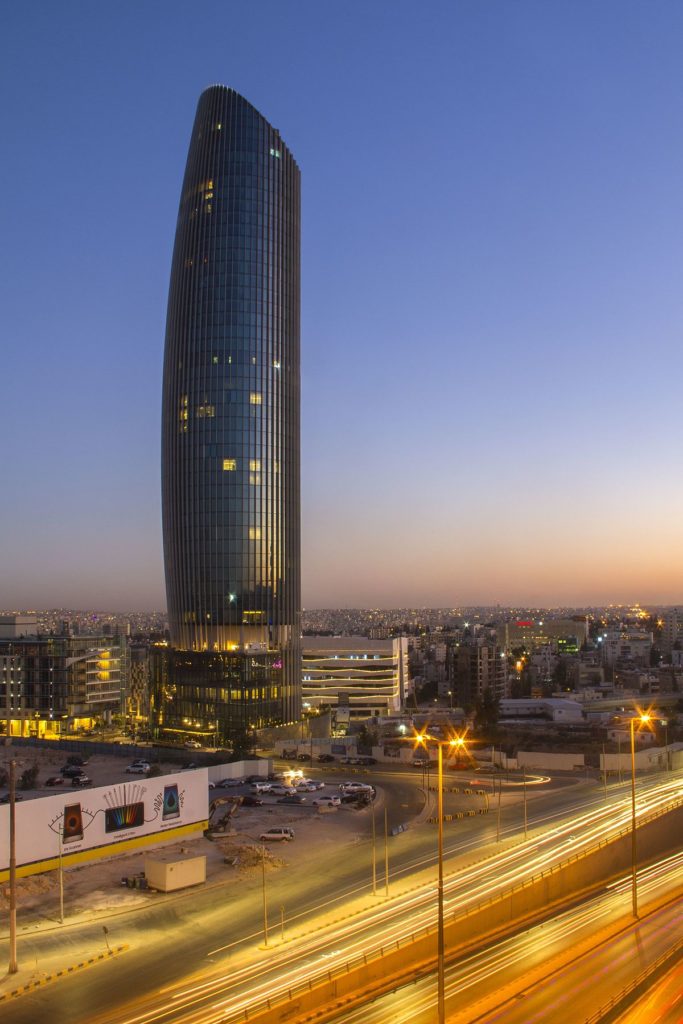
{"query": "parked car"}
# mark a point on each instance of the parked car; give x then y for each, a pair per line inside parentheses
(421, 762)
(289, 753)
(5, 799)
(69, 770)
(261, 787)
(138, 768)
(360, 797)
(281, 790)
(193, 745)
(349, 760)
(81, 780)
(77, 760)
(55, 780)
(303, 757)
(355, 787)
(367, 760)
(251, 801)
(325, 758)
(230, 783)
(281, 834)
(327, 801)
(294, 799)
(188, 766)
(305, 787)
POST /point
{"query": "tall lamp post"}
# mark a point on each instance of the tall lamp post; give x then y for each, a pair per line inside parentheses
(452, 744)
(642, 719)
(13, 967)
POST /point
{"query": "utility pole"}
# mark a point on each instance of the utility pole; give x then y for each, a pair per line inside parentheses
(61, 878)
(386, 854)
(604, 770)
(374, 854)
(13, 966)
(265, 904)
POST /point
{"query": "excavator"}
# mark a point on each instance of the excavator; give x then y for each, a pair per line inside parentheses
(219, 823)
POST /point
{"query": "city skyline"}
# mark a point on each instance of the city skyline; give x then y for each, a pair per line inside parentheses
(490, 300)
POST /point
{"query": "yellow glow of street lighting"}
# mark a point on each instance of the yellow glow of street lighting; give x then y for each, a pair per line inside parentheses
(421, 739)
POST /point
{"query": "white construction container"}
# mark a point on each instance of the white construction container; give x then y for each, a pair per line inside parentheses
(174, 871)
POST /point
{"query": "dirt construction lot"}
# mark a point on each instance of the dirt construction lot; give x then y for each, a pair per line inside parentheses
(97, 887)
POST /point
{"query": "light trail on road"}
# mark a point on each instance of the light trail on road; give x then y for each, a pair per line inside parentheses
(308, 957)
(511, 966)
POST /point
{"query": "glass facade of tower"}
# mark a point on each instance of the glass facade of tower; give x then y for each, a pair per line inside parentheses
(230, 424)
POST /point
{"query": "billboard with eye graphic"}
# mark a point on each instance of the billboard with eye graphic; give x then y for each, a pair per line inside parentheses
(104, 820)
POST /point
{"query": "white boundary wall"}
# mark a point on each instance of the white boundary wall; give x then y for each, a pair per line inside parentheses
(78, 821)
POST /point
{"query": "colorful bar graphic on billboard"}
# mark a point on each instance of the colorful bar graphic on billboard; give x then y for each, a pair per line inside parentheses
(126, 816)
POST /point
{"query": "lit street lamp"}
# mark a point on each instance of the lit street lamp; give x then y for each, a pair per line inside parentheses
(642, 720)
(456, 743)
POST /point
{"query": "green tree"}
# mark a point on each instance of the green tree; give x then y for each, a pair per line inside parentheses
(242, 741)
(368, 738)
(487, 713)
(29, 777)
(561, 672)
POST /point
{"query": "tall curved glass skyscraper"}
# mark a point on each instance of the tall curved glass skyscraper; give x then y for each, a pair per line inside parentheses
(230, 429)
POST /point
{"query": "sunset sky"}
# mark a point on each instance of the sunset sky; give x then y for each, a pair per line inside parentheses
(492, 302)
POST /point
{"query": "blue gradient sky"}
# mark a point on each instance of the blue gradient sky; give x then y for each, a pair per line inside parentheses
(492, 302)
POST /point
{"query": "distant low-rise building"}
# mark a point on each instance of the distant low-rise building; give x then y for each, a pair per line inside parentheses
(549, 709)
(626, 645)
(475, 666)
(56, 685)
(672, 630)
(358, 676)
(569, 635)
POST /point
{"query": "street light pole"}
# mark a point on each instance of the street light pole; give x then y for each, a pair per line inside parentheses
(441, 983)
(440, 948)
(265, 904)
(61, 877)
(13, 966)
(386, 854)
(634, 852)
(666, 744)
(604, 770)
(374, 854)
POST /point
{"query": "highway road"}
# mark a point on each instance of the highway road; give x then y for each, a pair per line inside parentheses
(215, 934)
(521, 980)
(663, 1004)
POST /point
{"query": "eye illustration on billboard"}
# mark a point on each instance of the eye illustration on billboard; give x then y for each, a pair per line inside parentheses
(72, 825)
